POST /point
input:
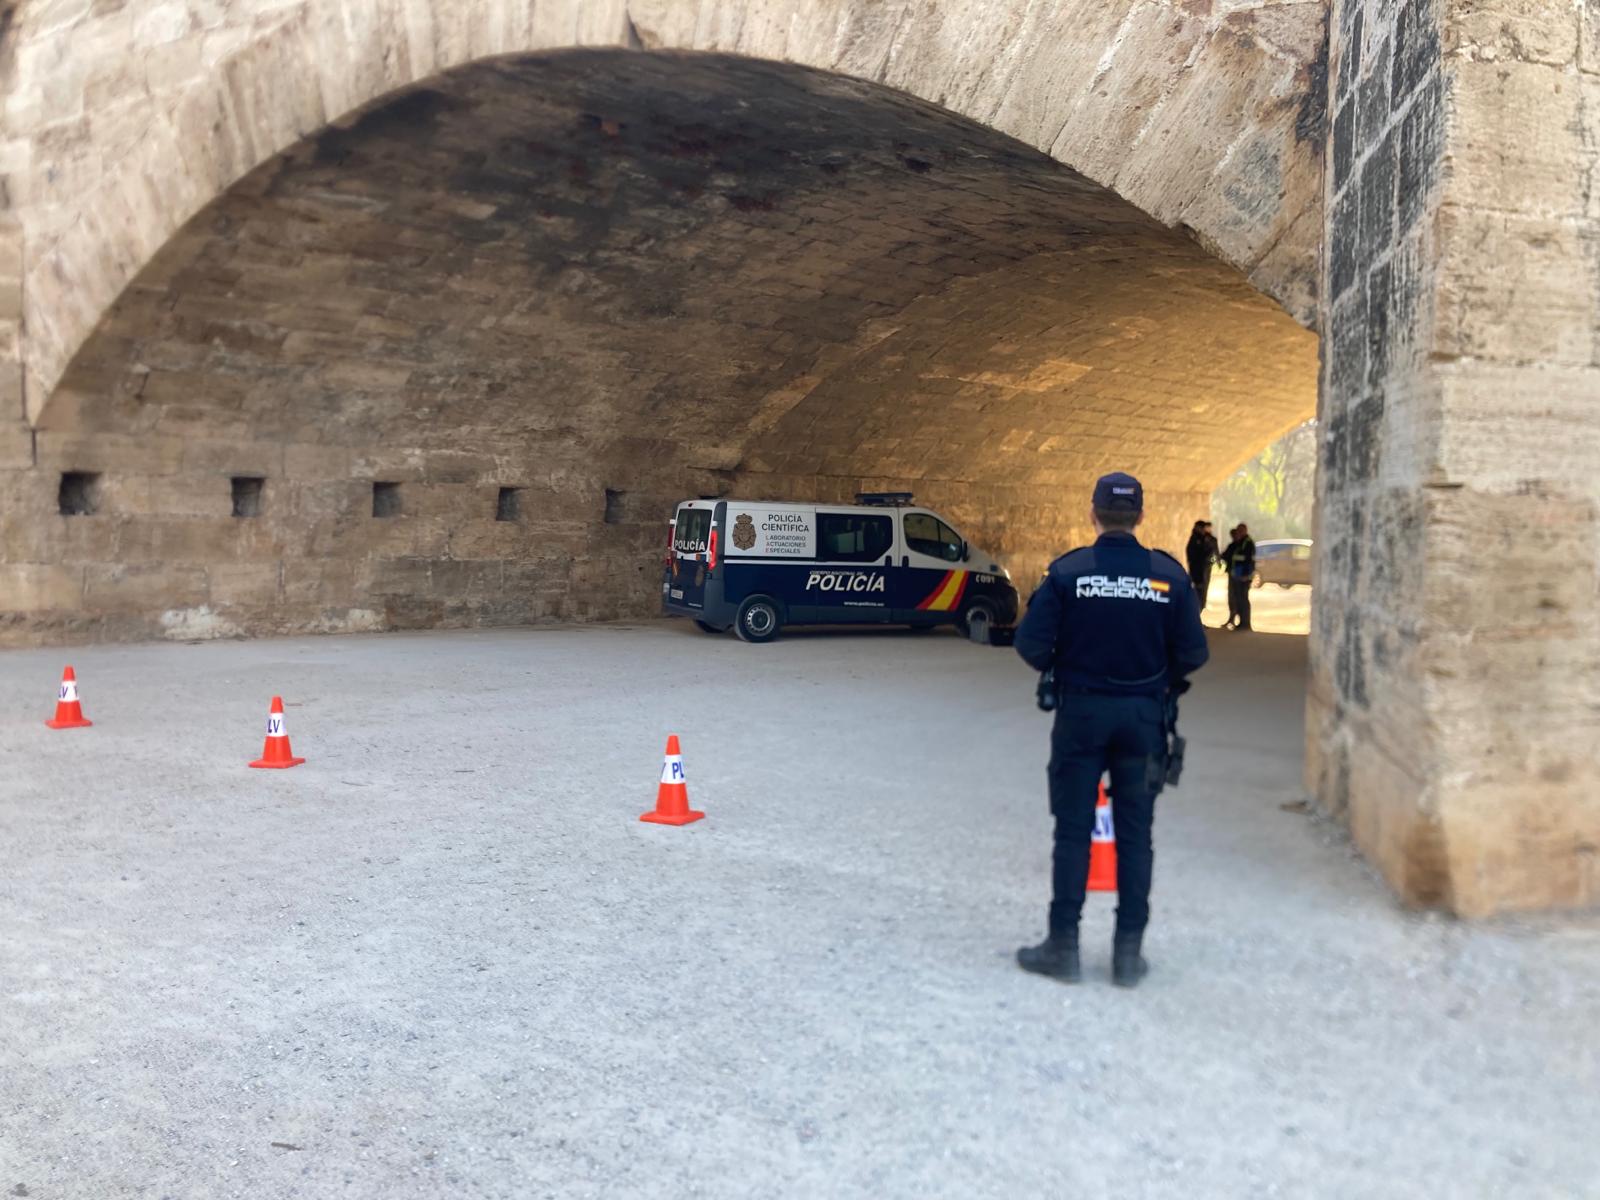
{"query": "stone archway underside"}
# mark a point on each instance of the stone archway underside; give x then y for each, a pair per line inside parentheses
(124, 119)
(612, 280)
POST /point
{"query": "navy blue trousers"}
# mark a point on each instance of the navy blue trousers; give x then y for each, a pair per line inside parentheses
(1095, 734)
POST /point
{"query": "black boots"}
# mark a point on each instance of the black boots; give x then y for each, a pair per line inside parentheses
(1128, 966)
(1056, 956)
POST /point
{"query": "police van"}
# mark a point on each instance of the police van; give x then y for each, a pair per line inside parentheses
(758, 565)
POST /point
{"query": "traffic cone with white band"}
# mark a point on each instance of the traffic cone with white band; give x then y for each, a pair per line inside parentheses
(1103, 848)
(69, 713)
(276, 752)
(672, 797)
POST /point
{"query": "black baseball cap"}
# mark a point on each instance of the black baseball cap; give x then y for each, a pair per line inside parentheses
(1118, 492)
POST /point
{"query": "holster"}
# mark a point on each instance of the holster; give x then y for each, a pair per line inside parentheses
(1047, 697)
(1172, 762)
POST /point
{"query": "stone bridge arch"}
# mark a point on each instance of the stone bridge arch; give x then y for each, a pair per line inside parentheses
(598, 273)
(126, 120)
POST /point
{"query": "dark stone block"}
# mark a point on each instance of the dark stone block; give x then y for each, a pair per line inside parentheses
(1331, 464)
(1357, 33)
(1375, 232)
(1347, 344)
(1372, 100)
(1418, 152)
(1344, 124)
(1311, 121)
(1379, 284)
(1256, 188)
(1405, 287)
(1350, 57)
(1363, 445)
(1350, 671)
(1416, 50)
(1343, 264)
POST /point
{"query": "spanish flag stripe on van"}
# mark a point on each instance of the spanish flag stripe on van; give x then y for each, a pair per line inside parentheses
(947, 595)
(961, 589)
(931, 600)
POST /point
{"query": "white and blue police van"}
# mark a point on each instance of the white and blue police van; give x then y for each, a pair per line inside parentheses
(757, 565)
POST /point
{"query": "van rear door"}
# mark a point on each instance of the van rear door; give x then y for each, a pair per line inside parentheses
(694, 541)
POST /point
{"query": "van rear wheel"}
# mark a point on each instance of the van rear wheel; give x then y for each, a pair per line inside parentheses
(758, 620)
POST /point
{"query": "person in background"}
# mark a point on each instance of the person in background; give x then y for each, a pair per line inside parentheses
(1201, 554)
(1233, 611)
(1240, 559)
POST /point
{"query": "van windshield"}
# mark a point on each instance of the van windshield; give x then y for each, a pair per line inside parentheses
(692, 531)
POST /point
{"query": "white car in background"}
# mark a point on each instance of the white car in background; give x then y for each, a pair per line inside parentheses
(1283, 561)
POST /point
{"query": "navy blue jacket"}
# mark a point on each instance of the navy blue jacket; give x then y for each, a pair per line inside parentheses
(1114, 618)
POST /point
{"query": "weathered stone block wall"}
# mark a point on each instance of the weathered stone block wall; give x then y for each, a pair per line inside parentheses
(1455, 683)
(1368, 717)
(164, 556)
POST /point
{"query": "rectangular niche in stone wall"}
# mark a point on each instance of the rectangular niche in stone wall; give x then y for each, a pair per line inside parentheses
(508, 507)
(247, 495)
(80, 493)
(614, 506)
(386, 499)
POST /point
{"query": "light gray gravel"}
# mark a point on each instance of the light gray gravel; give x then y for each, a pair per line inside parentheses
(444, 958)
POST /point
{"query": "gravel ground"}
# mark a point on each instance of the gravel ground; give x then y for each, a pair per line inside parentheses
(444, 958)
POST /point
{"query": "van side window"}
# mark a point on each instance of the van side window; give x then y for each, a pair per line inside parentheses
(929, 535)
(853, 537)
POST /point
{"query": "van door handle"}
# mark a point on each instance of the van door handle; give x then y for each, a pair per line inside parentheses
(905, 560)
(888, 560)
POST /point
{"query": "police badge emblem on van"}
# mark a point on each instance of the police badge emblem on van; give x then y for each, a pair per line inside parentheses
(744, 531)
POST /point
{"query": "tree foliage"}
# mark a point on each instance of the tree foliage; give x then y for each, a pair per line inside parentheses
(1274, 492)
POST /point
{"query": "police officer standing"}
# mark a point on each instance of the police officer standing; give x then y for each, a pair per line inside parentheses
(1120, 627)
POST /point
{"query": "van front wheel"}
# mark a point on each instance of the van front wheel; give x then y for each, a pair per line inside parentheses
(977, 612)
(758, 620)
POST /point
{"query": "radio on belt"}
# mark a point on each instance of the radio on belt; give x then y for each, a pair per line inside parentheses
(757, 565)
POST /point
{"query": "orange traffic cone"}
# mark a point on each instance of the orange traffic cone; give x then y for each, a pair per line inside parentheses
(69, 713)
(672, 797)
(276, 752)
(1103, 848)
